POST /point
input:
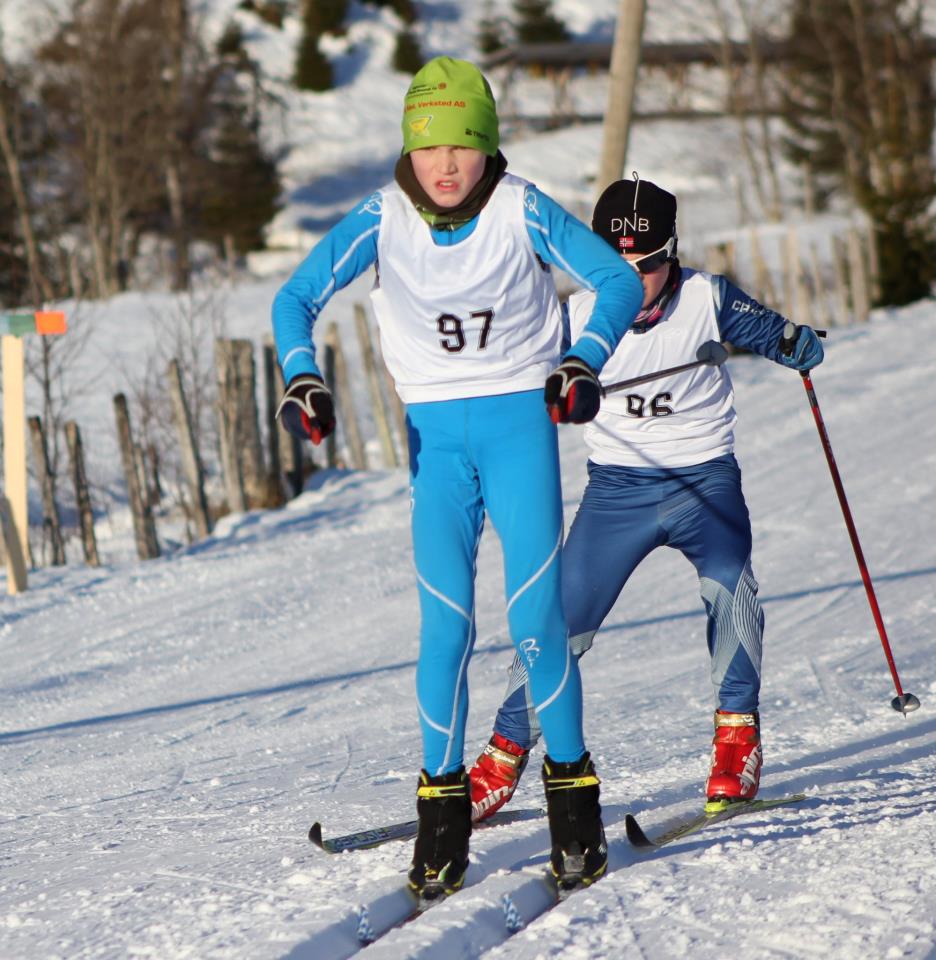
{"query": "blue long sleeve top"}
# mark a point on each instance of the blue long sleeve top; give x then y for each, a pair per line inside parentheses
(558, 238)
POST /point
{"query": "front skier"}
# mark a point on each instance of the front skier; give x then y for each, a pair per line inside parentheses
(470, 328)
(662, 472)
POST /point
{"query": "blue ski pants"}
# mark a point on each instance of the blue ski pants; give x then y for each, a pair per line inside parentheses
(497, 455)
(626, 513)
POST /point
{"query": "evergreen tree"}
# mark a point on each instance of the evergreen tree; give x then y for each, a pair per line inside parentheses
(239, 183)
(270, 11)
(405, 10)
(490, 30)
(407, 56)
(859, 107)
(230, 45)
(14, 272)
(313, 70)
(534, 22)
(329, 15)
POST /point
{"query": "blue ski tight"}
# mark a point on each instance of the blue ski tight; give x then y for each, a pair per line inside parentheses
(497, 455)
(625, 514)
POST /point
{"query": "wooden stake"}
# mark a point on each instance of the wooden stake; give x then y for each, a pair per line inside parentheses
(191, 460)
(51, 520)
(396, 405)
(82, 493)
(143, 527)
(249, 441)
(284, 451)
(764, 288)
(839, 266)
(720, 258)
(822, 315)
(227, 426)
(858, 277)
(344, 402)
(373, 382)
(328, 375)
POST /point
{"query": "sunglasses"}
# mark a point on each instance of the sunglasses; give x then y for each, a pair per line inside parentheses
(653, 261)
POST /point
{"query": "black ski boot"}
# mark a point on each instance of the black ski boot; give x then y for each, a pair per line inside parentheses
(579, 849)
(440, 859)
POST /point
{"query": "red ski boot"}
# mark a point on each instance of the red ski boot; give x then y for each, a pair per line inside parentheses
(736, 759)
(495, 776)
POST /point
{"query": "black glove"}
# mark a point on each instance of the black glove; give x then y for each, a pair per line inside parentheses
(573, 393)
(307, 410)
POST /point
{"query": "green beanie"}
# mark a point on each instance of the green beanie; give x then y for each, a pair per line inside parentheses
(449, 103)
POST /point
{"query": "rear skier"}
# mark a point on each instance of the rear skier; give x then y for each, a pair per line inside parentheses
(662, 472)
(470, 329)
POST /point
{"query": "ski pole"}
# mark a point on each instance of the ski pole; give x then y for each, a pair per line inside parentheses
(710, 354)
(903, 702)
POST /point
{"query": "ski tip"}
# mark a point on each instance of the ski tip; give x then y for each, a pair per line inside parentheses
(315, 834)
(635, 833)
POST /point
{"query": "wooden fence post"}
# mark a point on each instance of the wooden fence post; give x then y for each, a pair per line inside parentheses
(51, 522)
(241, 449)
(373, 381)
(399, 413)
(764, 290)
(227, 420)
(839, 266)
(144, 528)
(345, 403)
(328, 374)
(191, 460)
(858, 277)
(819, 312)
(720, 258)
(248, 422)
(82, 494)
(283, 449)
(874, 265)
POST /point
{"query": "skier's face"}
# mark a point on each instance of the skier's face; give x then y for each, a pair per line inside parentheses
(652, 282)
(448, 174)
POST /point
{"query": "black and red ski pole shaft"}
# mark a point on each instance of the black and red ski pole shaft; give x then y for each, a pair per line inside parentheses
(710, 354)
(903, 702)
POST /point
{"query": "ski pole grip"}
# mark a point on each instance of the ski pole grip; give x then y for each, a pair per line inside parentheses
(788, 340)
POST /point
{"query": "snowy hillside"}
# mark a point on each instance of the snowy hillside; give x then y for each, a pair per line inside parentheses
(170, 729)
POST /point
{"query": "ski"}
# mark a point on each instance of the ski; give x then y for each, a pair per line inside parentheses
(404, 830)
(510, 901)
(696, 822)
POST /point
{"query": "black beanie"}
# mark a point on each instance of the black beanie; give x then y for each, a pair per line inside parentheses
(635, 216)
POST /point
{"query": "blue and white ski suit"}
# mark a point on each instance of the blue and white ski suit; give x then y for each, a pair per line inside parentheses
(470, 328)
(662, 472)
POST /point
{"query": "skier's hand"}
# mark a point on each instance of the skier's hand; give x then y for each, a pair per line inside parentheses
(800, 348)
(573, 393)
(307, 410)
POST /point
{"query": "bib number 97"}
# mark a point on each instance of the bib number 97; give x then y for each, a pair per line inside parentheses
(452, 330)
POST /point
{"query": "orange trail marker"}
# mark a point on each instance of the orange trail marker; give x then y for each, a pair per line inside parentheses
(50, 322)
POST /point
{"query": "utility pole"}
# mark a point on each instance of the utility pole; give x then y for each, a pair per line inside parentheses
(622, 83)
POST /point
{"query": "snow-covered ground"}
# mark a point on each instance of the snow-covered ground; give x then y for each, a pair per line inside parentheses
(169, 729)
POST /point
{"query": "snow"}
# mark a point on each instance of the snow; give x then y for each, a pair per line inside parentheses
(169, 729)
